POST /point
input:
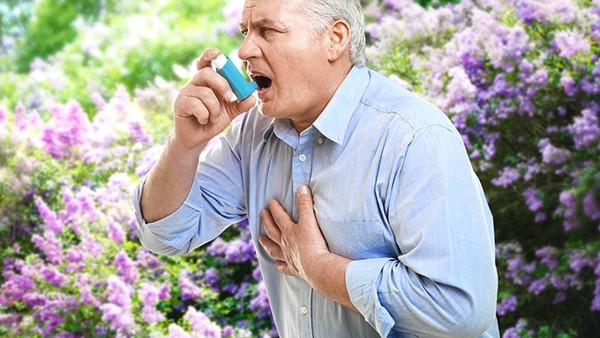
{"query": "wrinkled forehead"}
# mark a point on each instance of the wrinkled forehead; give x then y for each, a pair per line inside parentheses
(288, 4)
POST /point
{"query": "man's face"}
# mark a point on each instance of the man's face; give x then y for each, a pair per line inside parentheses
(287, 60)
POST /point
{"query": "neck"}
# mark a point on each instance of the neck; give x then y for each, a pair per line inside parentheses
(334, 79)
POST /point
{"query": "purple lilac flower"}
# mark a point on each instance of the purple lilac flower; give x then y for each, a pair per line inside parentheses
(507, 305)
(20, 120)
(35, 299)
(537, 286)
(48, 216)
(68, 128)
(14, 289)
(188, 289)
(211, 278)
(90, 245)
(547, 256)
(50, 246)
(228, 331)
(568, 209)
(571, 43)
(201, 324)
(118, 309)
(551, 154)
(115, 232)
(585, 129)
(85, 199)
(568, 84)
(559, 297)
(260, 302)
(137, 133)
(239, 251)
(590, 207)
(175, 331)
(8, 319)
(578, 261)
(3, 114)
(84, 285)
(257, 274)
(126, 267)
(506, 177)
(149, 295)
(513, 332)
(530, 11)
(98, 101)
(53, 276)
(532, 199)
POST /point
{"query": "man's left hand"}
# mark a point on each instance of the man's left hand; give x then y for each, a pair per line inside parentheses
(297, 247)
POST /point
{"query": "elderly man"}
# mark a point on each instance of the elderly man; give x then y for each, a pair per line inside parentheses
(367, 217)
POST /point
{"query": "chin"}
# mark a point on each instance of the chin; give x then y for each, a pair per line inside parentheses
(266, 109)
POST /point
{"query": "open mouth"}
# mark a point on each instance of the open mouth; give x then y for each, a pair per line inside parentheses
(263, 82)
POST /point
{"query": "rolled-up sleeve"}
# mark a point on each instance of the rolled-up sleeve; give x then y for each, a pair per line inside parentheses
(215, 202)
(444, 282)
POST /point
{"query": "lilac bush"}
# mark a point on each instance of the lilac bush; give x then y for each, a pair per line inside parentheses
(521, 81)
(72, 263)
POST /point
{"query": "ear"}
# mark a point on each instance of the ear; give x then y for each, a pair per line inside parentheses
(338, 38)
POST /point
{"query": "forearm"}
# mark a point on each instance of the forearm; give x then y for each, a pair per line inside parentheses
(328, 277)
(169, 181)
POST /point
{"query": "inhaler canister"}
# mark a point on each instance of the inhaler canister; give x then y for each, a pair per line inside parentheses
(241, 88)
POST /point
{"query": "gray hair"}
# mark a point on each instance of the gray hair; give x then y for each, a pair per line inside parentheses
(323, 13)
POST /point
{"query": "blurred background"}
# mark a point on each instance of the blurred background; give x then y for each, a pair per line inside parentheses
(86, 89)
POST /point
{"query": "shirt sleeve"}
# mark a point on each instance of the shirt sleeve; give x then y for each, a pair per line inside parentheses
(215, 202)
(444, 282)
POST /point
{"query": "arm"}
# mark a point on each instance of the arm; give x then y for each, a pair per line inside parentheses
(202, 110)
(169, 200)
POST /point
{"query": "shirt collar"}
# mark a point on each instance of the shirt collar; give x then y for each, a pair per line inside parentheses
(333, 121)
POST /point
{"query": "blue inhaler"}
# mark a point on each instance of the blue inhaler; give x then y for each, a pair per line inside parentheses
(241, 88)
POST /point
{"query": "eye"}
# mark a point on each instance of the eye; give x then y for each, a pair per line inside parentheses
(244, 31)
(265, 30)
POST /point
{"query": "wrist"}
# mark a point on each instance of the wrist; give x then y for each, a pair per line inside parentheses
(178, 146)
(324, 268)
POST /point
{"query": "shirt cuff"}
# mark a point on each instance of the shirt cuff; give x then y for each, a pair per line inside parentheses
(175, 230)
(362, 280)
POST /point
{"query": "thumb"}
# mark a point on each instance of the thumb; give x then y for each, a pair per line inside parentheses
(305, 203)
(245, 105)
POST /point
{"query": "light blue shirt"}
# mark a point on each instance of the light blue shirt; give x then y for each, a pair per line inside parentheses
(393, 190)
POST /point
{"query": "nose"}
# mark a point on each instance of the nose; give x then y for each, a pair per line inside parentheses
(249, 49)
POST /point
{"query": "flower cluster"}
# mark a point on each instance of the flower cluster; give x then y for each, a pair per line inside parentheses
(519, 79)
(80, 270)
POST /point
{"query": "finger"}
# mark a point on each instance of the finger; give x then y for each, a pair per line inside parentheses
(305, 203)
(206, 58)
(207, 77)
(272, 248)
(188, 106)
(200, 102)
(271, 226)
(248, 103)
(284, 268)
(280, 216)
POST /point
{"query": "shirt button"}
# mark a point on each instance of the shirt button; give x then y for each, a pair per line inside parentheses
(304, 310)
(302, 158)
(320, 140)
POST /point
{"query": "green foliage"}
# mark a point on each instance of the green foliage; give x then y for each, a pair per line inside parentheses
(52, 27)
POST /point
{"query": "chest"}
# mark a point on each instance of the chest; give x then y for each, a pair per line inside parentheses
(348, 184)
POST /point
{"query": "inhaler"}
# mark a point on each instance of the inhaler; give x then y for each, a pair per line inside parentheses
(241, 88)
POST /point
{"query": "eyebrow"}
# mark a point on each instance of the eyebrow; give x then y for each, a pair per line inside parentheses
(264, 22)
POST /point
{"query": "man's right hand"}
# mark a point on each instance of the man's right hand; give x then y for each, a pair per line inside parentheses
(204, 106)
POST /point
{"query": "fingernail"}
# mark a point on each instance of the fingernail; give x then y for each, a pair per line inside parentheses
(231, 96)
(303, 190)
